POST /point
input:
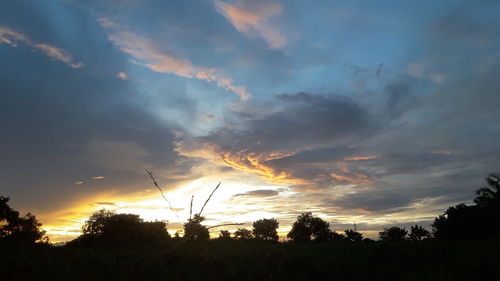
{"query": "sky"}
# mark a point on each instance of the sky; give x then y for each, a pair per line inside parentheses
(378, 113)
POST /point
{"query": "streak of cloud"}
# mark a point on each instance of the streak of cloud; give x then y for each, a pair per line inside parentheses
(252, 18)
(16, 39)
(146, 53)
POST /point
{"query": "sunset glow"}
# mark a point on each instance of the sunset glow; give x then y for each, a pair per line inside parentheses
(374, 113)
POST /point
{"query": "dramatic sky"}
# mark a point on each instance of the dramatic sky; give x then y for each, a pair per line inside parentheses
(376, 112)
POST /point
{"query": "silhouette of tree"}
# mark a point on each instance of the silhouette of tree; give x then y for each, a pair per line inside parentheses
(19, 230)
(478, 221)
(337, 236)
(353, 235)
(307, 227)
(111, 228)
(266, 229)
(97, 222)
(418, 233)
(467, 222)
(489, 196)
(394, 233)
(225, 235)
(243, 234)
(194, 230)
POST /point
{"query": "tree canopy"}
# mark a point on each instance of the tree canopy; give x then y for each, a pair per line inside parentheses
(243, 234)
(307, 228)
(111, 228)
(18, 229)
(194, 230)
(265, 229)
(394, 233)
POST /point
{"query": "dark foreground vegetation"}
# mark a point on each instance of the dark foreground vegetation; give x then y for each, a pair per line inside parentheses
(464, 244)
(258, 260)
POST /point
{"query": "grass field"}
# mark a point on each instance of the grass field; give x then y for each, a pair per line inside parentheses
(257, 260)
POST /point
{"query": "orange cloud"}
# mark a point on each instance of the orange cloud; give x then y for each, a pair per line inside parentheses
(13, 38)
(149, 55)
(243, 160)
(345, 175)
(252, 18)
(357, 158)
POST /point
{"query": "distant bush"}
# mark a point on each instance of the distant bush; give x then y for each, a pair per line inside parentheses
(394, 233)
(353, 235)
(243, 234)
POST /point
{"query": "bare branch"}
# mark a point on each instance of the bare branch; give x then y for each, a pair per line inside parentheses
(161, 191)
(209, 198)
(191, 206)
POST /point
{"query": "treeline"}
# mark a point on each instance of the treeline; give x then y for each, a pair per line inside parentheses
(478, 221)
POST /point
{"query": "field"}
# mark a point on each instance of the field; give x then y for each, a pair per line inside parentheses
(257, 260)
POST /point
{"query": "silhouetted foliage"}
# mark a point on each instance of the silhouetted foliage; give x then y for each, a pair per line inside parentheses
(418, 233)
(480, 221)
(225, 235)
(111, 228)
(353, 235)
(489, 196)
(194, 230)
(14, 229)
(337, 236)
(243, 234)
(265, 229)
(467, 222)
(394, 233)
(307, 228)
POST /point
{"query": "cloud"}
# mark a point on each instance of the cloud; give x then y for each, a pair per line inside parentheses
(15, 39)
(272, 145)
(419, 70)
(358, 158)
(258, 193)
(118, 155)
(146, 53)
(122, 76)
(103, 203)
(253, 18)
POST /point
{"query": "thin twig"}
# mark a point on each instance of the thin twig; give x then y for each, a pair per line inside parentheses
(225, 224)
(209, 198)
(191, 206)
(161, 191)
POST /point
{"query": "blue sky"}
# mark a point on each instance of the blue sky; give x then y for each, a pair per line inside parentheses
(382, 112)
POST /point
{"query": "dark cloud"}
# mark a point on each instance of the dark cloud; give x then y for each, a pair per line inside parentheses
(104, 203)
(258, 193)
(302, 127)
(64, 124)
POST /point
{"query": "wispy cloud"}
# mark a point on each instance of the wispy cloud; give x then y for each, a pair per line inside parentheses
(146, 53)
(252, 18)
(15, 39)
(419, 70)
